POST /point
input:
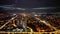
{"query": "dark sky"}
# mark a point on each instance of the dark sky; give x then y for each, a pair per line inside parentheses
(30, 3)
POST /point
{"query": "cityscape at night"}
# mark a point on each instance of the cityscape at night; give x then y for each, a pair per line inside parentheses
(29, 17)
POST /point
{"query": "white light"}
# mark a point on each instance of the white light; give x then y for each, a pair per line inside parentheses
(43, 21)
(23, 14)
(12, 18)
(35, 15)
(14, 14)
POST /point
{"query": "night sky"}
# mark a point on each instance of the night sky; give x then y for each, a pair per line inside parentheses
(30, 3)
